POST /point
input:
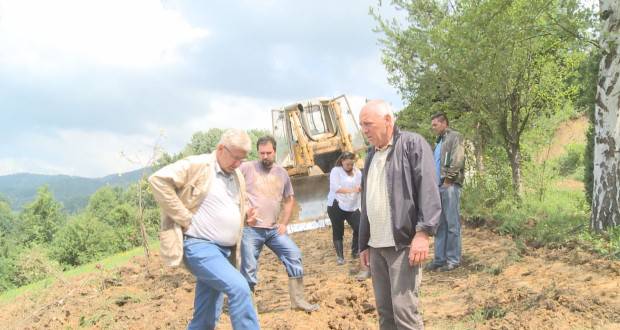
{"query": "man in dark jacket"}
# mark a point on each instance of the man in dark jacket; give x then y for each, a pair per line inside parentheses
(449, 166)
(400, 210)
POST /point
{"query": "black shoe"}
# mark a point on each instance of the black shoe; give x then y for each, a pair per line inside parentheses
(432, 267)
(448, 267)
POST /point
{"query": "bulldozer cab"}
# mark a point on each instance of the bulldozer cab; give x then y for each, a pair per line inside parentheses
(310, 136)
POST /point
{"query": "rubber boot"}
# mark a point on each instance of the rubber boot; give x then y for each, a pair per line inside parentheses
(339, 252)
(296, 291)
(355, 247)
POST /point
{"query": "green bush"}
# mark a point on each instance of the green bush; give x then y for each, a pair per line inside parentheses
(604, 243)
(8, 269)
(84, 239)
(572, 160)
(34, 264)
(544, 215)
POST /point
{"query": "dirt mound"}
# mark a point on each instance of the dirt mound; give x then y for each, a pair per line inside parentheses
(497, 287)
(570, 131)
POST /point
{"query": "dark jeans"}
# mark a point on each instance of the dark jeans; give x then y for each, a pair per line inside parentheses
(337, 217)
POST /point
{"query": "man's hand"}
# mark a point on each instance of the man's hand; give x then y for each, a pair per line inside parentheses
(418, 251)
(281, 229)
(365, 258)
(250, 216)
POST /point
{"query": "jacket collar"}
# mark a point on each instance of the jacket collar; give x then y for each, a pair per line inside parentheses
(440, 137)
(395, 136)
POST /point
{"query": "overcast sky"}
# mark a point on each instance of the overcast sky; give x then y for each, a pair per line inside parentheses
(82, 81)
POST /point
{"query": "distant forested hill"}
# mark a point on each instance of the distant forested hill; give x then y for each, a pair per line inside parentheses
(72, 191)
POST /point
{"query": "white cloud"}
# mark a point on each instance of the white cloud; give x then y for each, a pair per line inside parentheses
(227, 111)
(234, 111)
(81, 153)
(49, 35)
(84, 80)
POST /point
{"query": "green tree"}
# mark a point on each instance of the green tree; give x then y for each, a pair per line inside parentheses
(101, 203)
(84, 239)
(41, 219)
(203, 142)
(8, 267)
(8, 246)
(495, 65)
(150, 209)
(255, 134)
(7, 218)
(118, 209)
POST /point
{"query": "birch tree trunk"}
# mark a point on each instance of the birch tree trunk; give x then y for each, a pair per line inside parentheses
(606, 185)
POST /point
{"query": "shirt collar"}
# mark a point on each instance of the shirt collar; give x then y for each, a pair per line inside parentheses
(218, 170)
(386, 147)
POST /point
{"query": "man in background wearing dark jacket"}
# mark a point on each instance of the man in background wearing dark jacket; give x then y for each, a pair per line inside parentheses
(449, 166)
(400, 210)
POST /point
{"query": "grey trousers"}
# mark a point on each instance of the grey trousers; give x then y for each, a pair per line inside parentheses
(396, 285)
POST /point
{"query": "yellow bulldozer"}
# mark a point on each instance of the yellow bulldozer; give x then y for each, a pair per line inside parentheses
(311, 135)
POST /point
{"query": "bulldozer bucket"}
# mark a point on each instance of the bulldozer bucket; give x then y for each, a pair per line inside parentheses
(311, 197)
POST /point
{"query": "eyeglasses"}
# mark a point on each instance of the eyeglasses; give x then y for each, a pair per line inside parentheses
(237, 158)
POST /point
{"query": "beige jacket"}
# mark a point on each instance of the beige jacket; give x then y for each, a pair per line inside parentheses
(179, 189)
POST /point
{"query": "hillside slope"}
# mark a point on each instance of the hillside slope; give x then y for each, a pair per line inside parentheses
(72, 191)
(498, 287)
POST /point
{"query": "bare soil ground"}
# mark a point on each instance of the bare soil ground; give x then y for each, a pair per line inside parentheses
(570, 131)
(498, 287)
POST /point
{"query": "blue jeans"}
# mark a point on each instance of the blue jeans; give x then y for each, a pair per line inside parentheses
(215, 275)
(282, 245)
(448, 237)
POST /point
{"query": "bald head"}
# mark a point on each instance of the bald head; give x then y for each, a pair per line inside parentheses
(377, 122)
(380, 107)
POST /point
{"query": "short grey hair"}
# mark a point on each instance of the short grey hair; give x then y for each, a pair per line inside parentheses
(236, 138)
(380, 107)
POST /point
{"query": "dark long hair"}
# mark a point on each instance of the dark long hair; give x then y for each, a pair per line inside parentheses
(344, 156)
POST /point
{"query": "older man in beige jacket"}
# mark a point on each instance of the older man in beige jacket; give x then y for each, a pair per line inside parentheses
(202, 199)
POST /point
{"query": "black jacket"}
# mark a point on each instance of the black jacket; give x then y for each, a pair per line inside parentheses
(412, 188)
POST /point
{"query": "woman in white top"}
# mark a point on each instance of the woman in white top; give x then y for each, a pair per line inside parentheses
(343, 202)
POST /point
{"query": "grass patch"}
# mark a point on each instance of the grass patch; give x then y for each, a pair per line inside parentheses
(606, 243)
(108, 263)
(552, 216)
(560, 217)
(99, 318)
